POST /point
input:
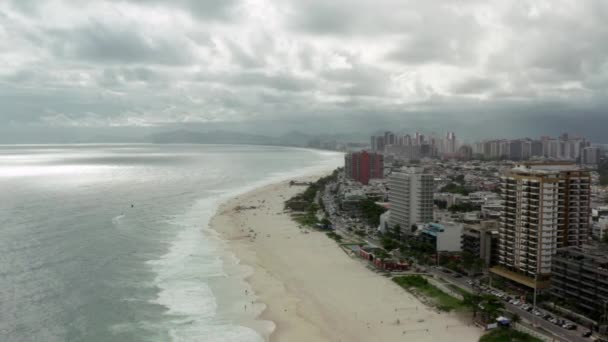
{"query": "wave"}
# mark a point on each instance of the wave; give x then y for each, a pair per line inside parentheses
(197, 257)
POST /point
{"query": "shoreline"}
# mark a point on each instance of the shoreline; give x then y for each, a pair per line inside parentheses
(309, 289)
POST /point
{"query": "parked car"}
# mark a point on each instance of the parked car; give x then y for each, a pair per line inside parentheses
(587, 334)
(569, 326)
(537, 313)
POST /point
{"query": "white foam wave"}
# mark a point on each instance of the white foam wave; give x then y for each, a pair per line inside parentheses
(193, 260)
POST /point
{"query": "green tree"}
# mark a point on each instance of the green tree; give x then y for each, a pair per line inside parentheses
(478, 265)
(472, 301)
(371, 211)
(467, 260)
(389, 244)
(464, 207)
(471, 263)
(491, 307)
(455, 189)
(396, 232)
(441, 204)
(515, 319)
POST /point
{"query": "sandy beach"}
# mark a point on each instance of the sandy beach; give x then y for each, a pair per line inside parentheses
(314, 291)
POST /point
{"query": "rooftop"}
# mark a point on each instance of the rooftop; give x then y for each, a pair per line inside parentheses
(542, 168)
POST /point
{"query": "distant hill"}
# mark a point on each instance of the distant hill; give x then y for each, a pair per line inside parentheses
(293, 138)
(213, 137)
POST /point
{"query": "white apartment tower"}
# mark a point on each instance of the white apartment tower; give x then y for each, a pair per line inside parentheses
(411, 198)
(546, 206)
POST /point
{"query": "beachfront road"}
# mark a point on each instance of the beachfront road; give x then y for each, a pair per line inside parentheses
(558, 333)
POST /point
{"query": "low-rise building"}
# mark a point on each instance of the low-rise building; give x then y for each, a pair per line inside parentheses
(580, 278)
(481, 240)
(444, 236)
(350, 202)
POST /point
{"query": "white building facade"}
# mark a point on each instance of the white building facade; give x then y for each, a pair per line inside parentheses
(410, 197)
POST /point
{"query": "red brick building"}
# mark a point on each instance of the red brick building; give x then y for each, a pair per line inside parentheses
(363, 166)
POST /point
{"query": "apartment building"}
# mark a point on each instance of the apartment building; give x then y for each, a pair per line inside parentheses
(580, 278)
(410, 197)
(546, 207)
(363, 166)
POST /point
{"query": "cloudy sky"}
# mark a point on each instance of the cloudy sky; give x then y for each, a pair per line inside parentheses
(482, 68)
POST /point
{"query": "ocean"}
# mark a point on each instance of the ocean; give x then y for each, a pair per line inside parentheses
(110, 242)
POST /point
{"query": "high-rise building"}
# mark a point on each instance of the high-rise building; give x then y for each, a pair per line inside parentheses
(411, 198)
(407, 140)
(377, 143)
(515, 150)
(465, 152)
(389, 138)
(450, 143)
(591, 155)
(546, 206)
(536, 150)
(363, 166)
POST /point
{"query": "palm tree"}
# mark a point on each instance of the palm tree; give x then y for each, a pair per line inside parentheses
(472, 301)
(492, 307)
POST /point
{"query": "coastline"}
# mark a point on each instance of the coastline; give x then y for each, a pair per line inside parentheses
(308, 289)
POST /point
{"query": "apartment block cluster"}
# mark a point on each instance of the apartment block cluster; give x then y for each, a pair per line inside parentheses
(534, 215)
(564, 148)
(414, 146)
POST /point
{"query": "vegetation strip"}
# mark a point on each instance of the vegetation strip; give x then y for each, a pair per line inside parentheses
(442, 300)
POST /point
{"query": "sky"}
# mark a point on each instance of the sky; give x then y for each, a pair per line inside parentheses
(483, 68)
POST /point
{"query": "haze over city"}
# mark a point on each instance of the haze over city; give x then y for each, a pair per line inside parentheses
(74, 71)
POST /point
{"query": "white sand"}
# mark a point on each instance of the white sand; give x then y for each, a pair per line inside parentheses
(313, 290)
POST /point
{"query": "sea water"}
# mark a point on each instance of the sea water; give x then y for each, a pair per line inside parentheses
(111, 243)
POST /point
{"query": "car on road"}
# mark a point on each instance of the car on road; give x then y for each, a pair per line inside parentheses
(587, 334)
(537, 313)
(569, 326)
